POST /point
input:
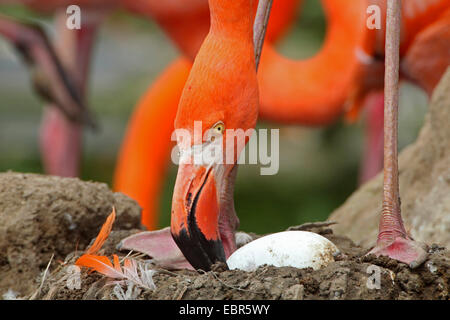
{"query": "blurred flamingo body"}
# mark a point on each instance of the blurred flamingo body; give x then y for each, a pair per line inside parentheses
(60, 136)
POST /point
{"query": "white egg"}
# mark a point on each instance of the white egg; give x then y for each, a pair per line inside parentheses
(300, 249)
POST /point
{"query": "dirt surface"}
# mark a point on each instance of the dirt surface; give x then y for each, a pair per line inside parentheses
(424, 184)
(346, 278)
(42, 216)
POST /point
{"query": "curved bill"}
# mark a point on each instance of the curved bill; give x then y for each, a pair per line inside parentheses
(195, 216)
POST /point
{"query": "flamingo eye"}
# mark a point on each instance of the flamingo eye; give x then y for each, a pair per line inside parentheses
(217, 130)
(219, 127)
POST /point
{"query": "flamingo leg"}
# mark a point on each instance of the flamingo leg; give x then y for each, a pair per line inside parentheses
(60, 138)
(393, 240)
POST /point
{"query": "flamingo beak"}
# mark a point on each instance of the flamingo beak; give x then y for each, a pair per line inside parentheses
(195, 216)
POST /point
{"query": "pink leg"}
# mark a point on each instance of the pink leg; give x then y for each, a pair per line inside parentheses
(393, 241)
(60, 142)
(372, 162)
(61, 139)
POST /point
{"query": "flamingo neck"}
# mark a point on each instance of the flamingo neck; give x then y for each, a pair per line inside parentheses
(233, 18)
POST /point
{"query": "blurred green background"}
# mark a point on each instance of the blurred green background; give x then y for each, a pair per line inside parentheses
(318, 167)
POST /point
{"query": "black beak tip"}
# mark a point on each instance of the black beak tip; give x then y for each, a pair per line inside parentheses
(201, 253)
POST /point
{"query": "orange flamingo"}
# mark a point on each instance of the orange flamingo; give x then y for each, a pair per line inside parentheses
(222, 93)
(143, 160)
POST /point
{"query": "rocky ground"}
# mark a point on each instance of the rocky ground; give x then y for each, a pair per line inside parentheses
(44, 216)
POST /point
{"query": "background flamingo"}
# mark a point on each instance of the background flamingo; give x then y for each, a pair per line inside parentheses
(61, 138)
(49, 78)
